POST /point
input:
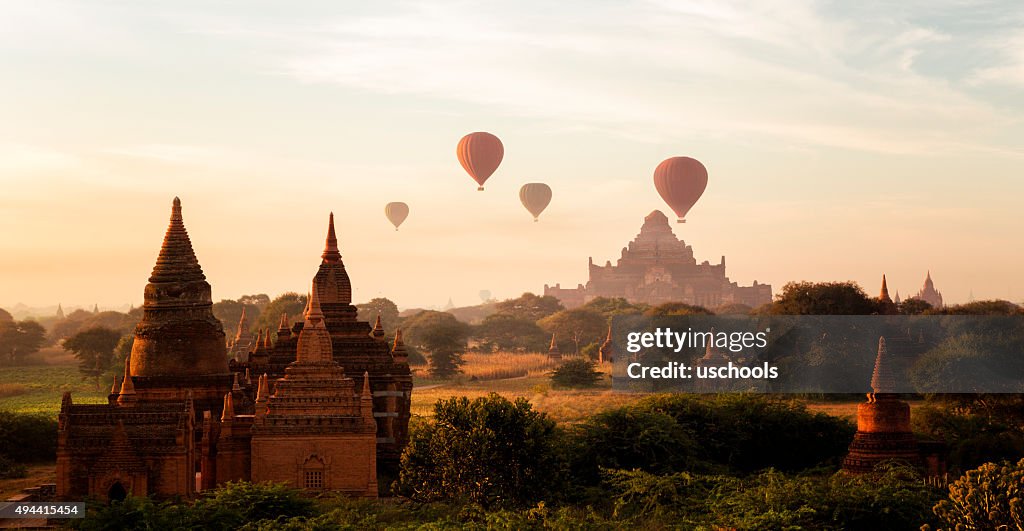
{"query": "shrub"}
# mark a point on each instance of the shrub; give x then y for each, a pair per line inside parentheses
(988, 497)
(28, 437)
(490, 451)
(11, 470)
(576, 373)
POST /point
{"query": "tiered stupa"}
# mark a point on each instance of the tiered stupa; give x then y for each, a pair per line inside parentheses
(883, 423)
(929, 294)
(656, 268)
(316, 431)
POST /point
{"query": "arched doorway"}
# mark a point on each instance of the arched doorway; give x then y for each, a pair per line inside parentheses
(117, 492)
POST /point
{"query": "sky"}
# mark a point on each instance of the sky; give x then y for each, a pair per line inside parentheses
(843, 140)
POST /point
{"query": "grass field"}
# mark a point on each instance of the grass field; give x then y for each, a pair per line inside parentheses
(38, 388)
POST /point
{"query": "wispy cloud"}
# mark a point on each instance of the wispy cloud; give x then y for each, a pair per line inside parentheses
(658, 70)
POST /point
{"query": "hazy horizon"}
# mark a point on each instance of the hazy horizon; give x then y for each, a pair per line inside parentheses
(842, 142)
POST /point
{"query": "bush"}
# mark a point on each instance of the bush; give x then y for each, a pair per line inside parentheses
(971, 438)
(11, 470)
(576, 373)
(28, 437)
(988, 497)
(491, 451)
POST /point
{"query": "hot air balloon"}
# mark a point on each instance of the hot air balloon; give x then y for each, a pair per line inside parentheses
(396, 213)
(485, 295)
(681, 181)
(480, 154)
(535, 197)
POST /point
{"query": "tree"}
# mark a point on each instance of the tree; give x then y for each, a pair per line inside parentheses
(734, 309)
(580, 326)
(19, 339)
(80, 320)
(94, 349)
(388, 311)
(5, 316)
(489, 451)
(261, 300)
(609, 307)
(823, 298)
(440, 334)
(230, 312)
(576, 373)
(290, 303)
(677, 308)
(914, 306)
(993, 307)
(529, 306)
(510, 333)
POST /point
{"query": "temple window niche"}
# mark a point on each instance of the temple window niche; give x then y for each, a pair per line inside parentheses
(313, 473)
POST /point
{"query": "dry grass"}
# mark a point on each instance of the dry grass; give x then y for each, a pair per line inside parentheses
(12, 389)
(504, 365)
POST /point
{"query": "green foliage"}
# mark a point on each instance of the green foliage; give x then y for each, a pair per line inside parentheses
(237, 502)
(230, 507)
(677, 308)
(387, 310)
(18, 339)
(442, 336)
(734, 309)
(729, 433)
(28, 437)
(988, 497)
(992, 307)
(94, 349)
(290, 303)
(230, 312)
(489, 451)
(530, 307)
(823, 298)
(578, 326)
(79, 320)
(914, 306)
(11, 470)
(971, 437)
(610, 307)
(505, 332)
(576, 373)
(896, 498)
(972, 360)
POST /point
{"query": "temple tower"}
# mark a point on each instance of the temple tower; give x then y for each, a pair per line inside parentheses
(179, 344)
(883, 422)
(316, 431)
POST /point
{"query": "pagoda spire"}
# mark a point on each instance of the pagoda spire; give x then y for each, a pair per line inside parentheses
(398, 350)
(127, 394)
(331, 253)
(553, 351)
(883, 381)
(314, 341)
(283, 326)
(228, 413)
(266, 341)
(177, 261)
(884, 295)
(378, 329)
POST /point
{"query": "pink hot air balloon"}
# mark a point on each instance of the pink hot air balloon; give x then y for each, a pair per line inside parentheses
(396, 213)
(681, 181)
(480, 154)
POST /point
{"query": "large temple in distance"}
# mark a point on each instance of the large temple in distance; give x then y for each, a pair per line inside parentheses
(323, 407)
(655, 268)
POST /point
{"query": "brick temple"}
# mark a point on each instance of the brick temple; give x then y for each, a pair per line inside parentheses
(324, 407)
(657, 267)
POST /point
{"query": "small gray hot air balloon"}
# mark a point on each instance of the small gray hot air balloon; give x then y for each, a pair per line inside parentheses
(396, 213)
(535, 197)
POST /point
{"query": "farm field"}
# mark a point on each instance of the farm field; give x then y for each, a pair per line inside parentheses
(38, 388)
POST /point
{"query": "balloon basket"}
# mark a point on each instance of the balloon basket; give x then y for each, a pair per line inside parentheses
(480, 189)
(535, 220)
(680, 220)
